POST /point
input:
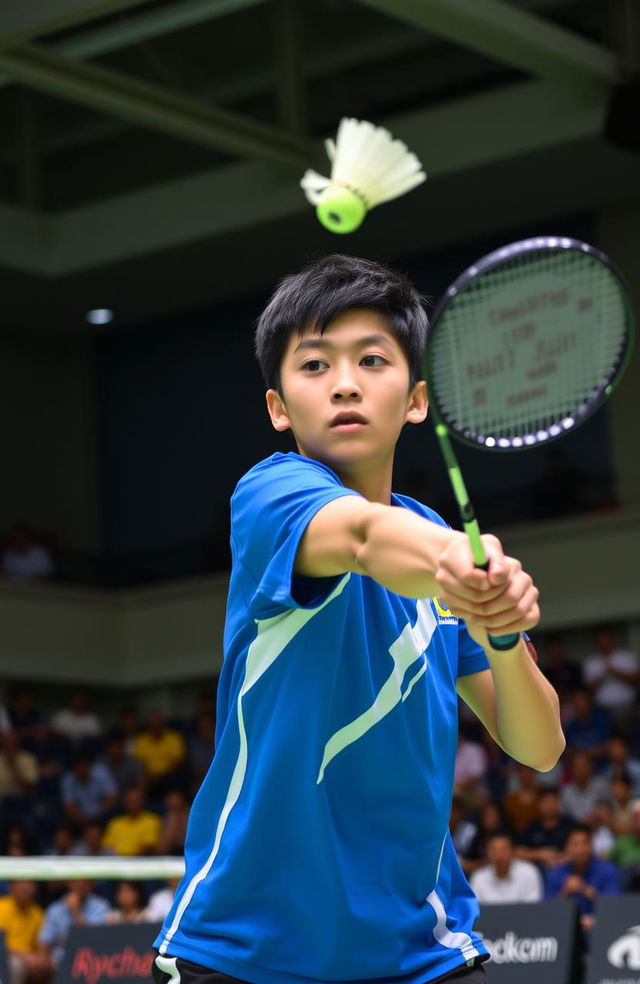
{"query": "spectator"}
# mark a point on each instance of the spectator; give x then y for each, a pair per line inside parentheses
(520, 806)
(162, 752)
(20, 921)
(23, 715)
(24, 558)
(18, 769)
(62, 840)
(470, 776)
(137, 831)
(78, 907)
(75, 721)
(206, 707)
(621, 764)
(88, 791)
(543, 841)
(506, 878)
(626, 852)
(90, 844)
(174, 826)
(563, 674)
(201, 749)
(62, 844)
(161, 901)
(591, 728)
(580, 796)
(130, 728)
(461, 829)
(17, 842)
(583, 876)
(603, 829)
(612, 676)
(490, 821)
(622, 802)
(130, 904)
(125, 770)
(52, 752)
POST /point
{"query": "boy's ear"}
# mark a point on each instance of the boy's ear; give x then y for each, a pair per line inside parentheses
(418, 403)
(277, 410)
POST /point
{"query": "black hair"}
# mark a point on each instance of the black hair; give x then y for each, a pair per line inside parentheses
(501, 834)
(577, 828)
(327, 288)
(137, 889)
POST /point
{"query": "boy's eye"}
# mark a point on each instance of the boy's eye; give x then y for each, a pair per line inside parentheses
(314, 365)
(370, 361)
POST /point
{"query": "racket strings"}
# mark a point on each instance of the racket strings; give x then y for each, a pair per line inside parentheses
(528, 344)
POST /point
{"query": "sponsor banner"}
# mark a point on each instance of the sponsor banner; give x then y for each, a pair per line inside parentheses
(108, 954)
(4, 963)
(530, 942)
(615, 944)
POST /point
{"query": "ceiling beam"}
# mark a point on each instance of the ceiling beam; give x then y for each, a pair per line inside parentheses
(152, 106)
(465, 133)
(511, 35)
(137, 29)
(346, 54)
(24, 19)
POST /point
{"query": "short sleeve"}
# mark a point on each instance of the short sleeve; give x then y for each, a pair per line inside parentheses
(270, 510)
(471, 656)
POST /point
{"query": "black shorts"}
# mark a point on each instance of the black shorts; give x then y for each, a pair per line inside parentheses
(190, 973)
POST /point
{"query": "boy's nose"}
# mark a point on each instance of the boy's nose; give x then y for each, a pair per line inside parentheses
(346, 387)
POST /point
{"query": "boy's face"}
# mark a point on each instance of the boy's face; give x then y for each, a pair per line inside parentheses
(356, 367)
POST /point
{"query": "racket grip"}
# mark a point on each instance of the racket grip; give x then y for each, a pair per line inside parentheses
(500, 643)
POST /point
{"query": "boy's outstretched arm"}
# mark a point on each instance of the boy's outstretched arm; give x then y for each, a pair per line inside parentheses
(417, 558)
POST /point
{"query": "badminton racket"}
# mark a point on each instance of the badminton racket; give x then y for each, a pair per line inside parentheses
(523, 347)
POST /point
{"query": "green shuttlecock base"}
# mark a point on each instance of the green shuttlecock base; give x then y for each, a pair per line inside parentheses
(340, 210)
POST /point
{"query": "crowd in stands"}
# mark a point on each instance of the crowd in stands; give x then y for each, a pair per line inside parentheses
(573, 832)
(26, 554)
(69, 787)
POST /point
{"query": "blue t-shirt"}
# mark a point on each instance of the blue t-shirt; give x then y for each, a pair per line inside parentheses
(600, 874)
(318, 847)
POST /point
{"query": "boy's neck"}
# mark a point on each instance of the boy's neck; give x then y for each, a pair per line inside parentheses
(373, 481)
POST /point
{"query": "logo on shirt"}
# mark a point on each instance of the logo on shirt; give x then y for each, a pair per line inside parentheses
(445, 615)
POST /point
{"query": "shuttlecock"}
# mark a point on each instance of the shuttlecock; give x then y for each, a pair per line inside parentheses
(368, 167)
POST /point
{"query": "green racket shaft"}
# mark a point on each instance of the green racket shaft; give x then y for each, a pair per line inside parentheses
(470, 523)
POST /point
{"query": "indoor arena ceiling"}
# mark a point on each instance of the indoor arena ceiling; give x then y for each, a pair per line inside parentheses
(152, 149)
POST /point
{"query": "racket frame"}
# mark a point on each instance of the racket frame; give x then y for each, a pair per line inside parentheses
(444, 428)
(593, 403)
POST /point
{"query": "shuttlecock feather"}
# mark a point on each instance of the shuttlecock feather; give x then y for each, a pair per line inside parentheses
(368, 167)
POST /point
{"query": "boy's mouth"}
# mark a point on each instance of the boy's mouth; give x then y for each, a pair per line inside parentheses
(348, 420)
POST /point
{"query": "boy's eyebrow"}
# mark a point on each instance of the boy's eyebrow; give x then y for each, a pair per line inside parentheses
(325, 343)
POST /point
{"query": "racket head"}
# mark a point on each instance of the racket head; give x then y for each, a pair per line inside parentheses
(527, 343)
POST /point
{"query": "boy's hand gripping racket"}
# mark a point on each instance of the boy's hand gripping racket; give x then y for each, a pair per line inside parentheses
(523, 347)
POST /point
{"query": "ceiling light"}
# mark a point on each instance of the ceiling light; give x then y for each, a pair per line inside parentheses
(99, 316)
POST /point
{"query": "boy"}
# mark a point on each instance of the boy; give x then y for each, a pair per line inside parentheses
(318, 848)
